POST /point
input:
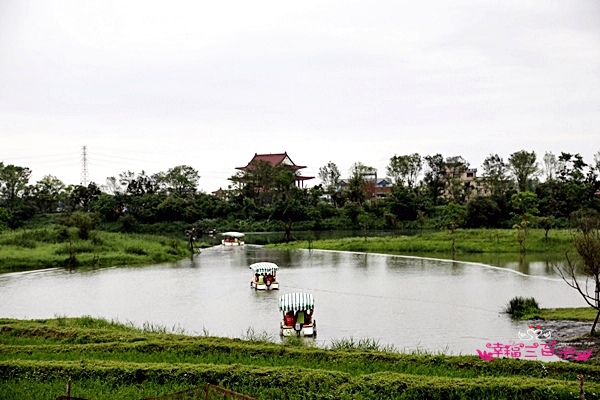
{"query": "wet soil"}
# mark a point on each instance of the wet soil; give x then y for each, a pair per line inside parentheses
(575, 334)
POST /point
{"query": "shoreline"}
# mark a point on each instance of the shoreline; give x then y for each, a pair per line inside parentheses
(564, 330)
(573, 334)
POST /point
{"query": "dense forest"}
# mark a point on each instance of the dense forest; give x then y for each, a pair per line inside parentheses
(422, 192)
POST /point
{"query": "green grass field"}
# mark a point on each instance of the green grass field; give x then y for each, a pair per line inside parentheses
(108, 360)
(56, 246)
(467, 241)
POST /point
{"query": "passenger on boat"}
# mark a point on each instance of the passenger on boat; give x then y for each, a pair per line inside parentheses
(256, 277)
(289, 318)
(261, 279)
(300, 318)
(308, 319)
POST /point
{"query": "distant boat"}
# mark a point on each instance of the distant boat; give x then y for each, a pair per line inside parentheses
(232, 239)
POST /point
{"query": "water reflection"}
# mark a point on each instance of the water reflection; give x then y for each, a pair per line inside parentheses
(406, 302)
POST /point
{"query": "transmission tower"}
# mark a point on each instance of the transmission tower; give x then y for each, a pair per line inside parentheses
(85, 177)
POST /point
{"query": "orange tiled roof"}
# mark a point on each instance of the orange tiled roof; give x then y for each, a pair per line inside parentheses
(273, 159)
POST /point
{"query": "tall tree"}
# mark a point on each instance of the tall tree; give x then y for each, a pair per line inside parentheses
(404, 170)
(402, 203)
(454, 216)
(181, 180)
(434, 179)
(570, 168)
(112, 186)
(524, 167)
(289, 208)
(550, 165)
(81, 198)
(46, 193)
(525, 208)
(495, 173)
(456, 166)
(330, 177)
(13, 183)
(136, 185)
(596, 164)
(587, 244)
(361, 183)
(483, 212)
(14, 190)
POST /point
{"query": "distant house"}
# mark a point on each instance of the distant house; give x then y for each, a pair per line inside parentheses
(473, 184)
(374, 188)
(383, 188)
(275, 160)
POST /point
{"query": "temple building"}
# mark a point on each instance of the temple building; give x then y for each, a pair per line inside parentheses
(275, 160)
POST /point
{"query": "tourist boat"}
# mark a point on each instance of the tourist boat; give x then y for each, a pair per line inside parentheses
(298, 318)
(232, 239)
(264, 276)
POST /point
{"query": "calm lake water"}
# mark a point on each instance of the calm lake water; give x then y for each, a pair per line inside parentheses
(407, 302)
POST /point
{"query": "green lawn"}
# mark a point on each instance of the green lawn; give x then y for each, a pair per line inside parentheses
(108, 360)
(57, 246)
(467, 241)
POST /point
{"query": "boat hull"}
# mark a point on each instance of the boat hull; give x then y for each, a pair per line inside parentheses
(224, 243)
(263, 286)
(306, 330)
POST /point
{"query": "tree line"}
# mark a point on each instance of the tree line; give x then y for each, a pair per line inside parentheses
(424, 191)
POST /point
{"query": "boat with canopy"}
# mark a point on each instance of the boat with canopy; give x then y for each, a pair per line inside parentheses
(232, 239)
(297, 309)
(264, 276)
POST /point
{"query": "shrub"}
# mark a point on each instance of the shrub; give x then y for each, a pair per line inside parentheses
(85, 222)
(519, 306)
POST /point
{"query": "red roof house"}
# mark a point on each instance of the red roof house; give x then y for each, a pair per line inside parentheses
(275, 160)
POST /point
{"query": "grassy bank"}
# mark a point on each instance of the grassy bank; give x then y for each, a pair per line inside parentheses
(466, 241)
(562, 314)
(114, 361)
(57, 246)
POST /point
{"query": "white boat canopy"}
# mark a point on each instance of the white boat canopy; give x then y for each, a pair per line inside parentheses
(233, 234)
(296, 302)
(264, 267)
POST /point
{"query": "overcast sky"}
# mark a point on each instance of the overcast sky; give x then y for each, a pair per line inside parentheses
(150, 85)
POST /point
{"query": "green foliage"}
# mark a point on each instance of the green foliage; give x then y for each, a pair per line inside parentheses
(85, 222)
(365, 344)
(483, 212)
(519, 306)
(524, 167)
(59, 246)
(109, 360)
(454, 216)
(468, 241)
(75, 248)
(524, 204)
(264, 193)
